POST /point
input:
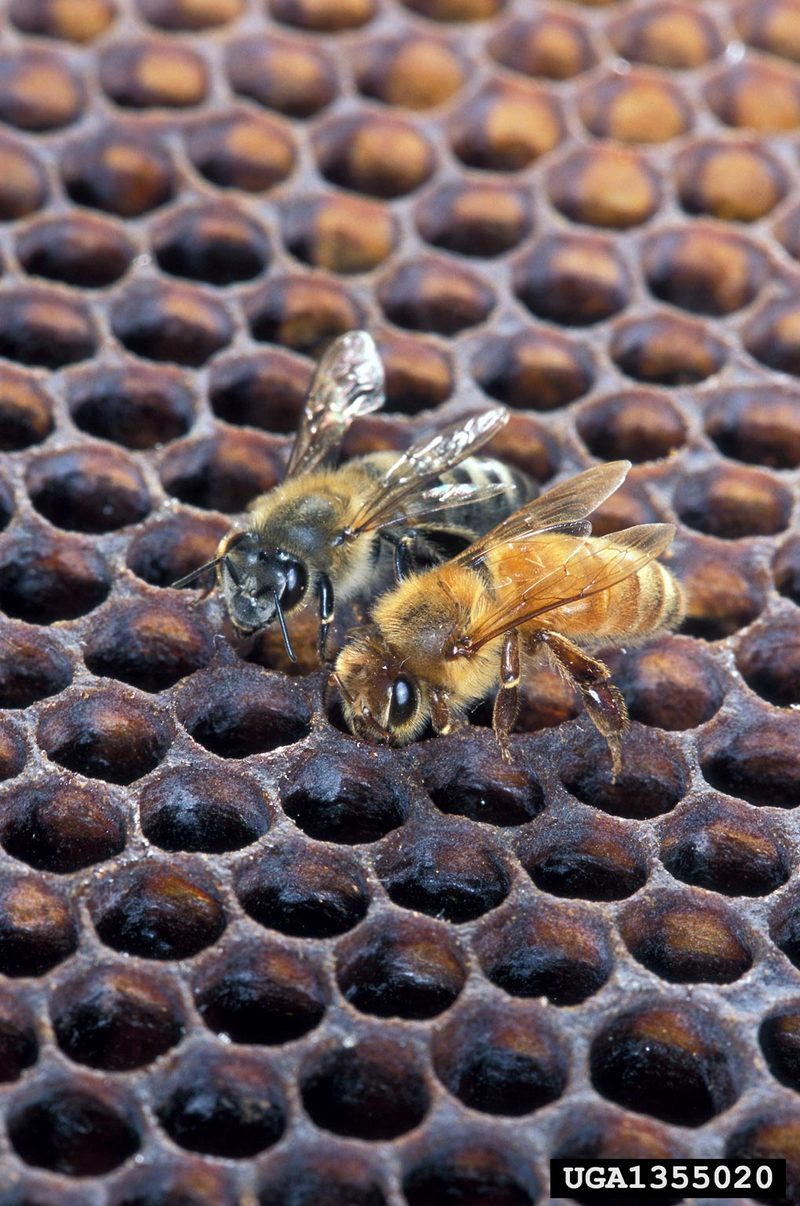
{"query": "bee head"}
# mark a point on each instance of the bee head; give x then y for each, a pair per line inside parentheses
(260, 583)
(381, 701)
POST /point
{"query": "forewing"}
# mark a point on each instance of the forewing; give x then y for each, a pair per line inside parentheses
(349, 381)
(596, 564)
(566, 504)
(419, 467)
(444, 498)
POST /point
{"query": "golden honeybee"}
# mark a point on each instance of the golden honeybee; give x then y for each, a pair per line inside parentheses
(538, 585)
(329, 533)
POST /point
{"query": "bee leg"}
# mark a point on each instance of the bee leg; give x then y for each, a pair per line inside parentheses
(506, 702)
(602, 700)
(325, 592)
(403, 552)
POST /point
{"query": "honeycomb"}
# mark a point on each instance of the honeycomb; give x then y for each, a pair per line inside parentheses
(244, 958)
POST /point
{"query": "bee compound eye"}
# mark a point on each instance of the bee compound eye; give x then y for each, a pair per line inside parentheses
(296, 582)
(403, 702)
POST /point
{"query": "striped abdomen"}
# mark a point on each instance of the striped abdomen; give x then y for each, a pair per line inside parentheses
(483, 516)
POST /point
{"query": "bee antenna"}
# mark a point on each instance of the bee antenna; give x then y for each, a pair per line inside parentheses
(281, 620)
(197, 573)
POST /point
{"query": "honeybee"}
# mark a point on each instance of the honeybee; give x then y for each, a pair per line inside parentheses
(538, 585)
(324, 534)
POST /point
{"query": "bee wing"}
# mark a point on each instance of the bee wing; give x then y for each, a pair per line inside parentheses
(565, 505)
(596, 564)
(420, 466)
(443, 498)
(349, 381)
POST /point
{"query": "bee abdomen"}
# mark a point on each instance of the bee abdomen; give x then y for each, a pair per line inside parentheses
(486, 471)
(649, 601)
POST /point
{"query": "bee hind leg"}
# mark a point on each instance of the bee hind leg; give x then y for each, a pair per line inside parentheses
(602, 700)
(506, 701)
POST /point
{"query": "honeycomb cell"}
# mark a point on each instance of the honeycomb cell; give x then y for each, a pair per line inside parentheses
(604, 186)
(500, 1058)
(188, 1181)
(320, 1171)
(757, 424)
(552, 949)
(45, 328)
(434, 295)
(667, 350)
(132, 405)
(786, 569)
(676, 36)
(506, 126)
(369, 153)
(303, 313)
(686, 938)
(776, 679)
(527, 444)
(58, 825)
(724, 589)
(293, 77)
(652, 781)
(190, 14)
(56, 19)
(419, 374)
(667, 1059)
(718, 844)
(115, 1018)
(772, 336)
(265, 390)
(216, 244)
(635, 424)
(468, 1167)
(38, 926)
(670, 684)
(88, 489)
(755, 756)
(573, 279)
(731, 502)
(171, 322)
(341, 796)
(201, 808)
(75, 1127)
(38, 92)
(12, 750)
(411, 72)
(551, 45)
(591, 858)
(168, 549)
(32, 666)
(638, 107)
(779, 1036)
(260, 993)
(223, 1103)
(308, 891)
(222, 473)
(118, 170)
(771, 1135)
(400, 965)
(368, 1088)
(238, 711)
(246, 151)
(474, 782)
(534, 369)
(443, 869)
(158, 910)
(51, 576)
(771, 26)
(147, 75)
(323, 16)
(474, 218)
(703, 270)
(81, 250)
(111, 734)
(19, 1048)
(709, 175)
(23, 184)
(338, 233)
(787, 231)
(759, 96)
(603, 1132)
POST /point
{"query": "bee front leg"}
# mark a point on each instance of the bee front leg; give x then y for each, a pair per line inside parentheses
(506, 702)
(325, 596)
(441, 717)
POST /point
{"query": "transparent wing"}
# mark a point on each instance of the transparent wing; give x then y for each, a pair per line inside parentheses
(443, 498)
(349, 381)
(419, 467)
(596, 564)
(566, 504)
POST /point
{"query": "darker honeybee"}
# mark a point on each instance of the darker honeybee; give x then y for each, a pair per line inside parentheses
(325, 532)
(537, 585)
